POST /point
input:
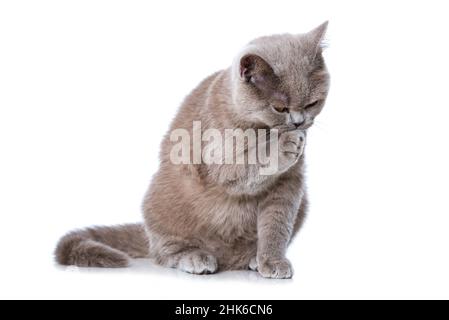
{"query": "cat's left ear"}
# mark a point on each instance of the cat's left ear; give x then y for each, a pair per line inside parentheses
(316, 37)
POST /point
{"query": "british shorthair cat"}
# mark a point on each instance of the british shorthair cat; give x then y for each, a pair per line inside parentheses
(205, 217)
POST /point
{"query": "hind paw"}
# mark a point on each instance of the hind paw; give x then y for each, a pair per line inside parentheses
(253, 265)
(198, 262)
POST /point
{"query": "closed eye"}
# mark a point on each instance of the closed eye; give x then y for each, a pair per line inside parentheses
(311, 105)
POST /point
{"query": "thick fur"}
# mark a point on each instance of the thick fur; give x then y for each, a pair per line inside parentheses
(107, 247)
(204, 218)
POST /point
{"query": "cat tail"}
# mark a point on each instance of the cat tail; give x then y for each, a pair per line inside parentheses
(103, 247)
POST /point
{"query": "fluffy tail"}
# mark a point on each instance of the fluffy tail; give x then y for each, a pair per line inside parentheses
(103, 247)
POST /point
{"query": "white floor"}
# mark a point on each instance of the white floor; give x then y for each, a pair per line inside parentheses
(320, 274)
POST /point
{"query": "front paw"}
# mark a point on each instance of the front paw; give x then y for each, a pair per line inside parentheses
(291, 148)
(275, 269)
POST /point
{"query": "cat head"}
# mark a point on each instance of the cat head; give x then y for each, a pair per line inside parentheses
(281, 80)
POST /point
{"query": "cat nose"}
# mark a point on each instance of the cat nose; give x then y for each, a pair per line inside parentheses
(297, 119)
(298, 124)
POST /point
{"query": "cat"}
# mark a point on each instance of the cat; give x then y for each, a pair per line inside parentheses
(204, 218)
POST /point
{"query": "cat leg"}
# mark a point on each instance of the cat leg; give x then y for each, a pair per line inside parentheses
(182, 256)
(275, 228)
(276, 223)
(278, 214)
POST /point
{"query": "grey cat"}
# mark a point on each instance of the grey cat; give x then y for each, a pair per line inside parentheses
(203, 218)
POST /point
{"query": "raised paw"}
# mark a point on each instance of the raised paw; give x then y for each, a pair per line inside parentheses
(275, 269)
(198, 262)
(291, 148)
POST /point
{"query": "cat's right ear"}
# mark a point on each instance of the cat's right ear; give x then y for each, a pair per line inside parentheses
(256, 71)
(253, 66)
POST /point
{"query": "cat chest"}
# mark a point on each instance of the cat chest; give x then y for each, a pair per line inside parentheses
(230, 218)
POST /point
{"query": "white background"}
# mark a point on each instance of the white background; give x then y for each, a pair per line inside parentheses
(88, 88)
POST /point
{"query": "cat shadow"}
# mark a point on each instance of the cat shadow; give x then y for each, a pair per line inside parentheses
(146, 266)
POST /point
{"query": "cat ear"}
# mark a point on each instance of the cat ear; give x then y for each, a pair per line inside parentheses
(255, 70)
(316, 37)
(252, 67)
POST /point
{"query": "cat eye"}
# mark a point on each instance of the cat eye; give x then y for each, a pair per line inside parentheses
(281, 110)
(311, 105)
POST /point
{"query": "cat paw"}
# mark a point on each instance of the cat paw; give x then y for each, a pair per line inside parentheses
(291, 148)
(253, 265)
(198, 262)
(275, 269)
